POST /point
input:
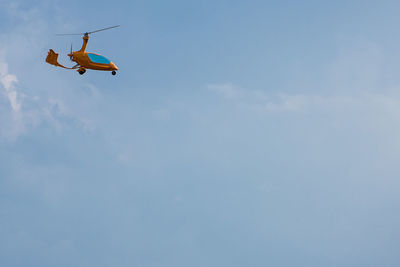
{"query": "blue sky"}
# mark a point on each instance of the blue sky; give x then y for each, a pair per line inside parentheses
(236, 133)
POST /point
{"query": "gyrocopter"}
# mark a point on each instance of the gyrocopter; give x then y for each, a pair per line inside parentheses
(83, 59)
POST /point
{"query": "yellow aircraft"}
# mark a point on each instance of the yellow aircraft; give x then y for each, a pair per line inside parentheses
(84, 60)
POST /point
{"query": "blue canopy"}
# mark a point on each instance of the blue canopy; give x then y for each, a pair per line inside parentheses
(98, 59)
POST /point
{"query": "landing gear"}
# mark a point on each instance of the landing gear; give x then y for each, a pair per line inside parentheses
(81, 71)
(113, 72)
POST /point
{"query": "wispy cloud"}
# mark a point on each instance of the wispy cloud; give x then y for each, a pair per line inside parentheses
(29, 98)
(20, 111)
(11, 119)
(8, 82)
(265, 102)
(227, 90)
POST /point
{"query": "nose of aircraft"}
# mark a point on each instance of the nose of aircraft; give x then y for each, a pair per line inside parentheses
(113, 66)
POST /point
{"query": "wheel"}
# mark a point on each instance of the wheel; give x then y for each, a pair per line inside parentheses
(82, 71)
(113, 72)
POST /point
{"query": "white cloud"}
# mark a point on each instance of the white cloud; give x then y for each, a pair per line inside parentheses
(11, 119)
(227, 90)
(8, 82)
(262, 101)
(24, 112)
(29, 96)
(265, 102)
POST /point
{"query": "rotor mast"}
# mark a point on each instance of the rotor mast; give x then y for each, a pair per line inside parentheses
(85, 42)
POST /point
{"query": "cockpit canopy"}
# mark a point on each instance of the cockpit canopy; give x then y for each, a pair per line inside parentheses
(98, 59)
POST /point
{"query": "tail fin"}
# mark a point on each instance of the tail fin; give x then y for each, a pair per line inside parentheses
(52, 58)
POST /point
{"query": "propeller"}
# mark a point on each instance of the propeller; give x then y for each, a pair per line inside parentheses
(87, 33)
(71, 54)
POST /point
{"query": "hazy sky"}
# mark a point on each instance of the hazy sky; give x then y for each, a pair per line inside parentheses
(236, 133)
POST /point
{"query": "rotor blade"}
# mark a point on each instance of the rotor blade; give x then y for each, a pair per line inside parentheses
(83, 33)
(103, 29)
(61, 34)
